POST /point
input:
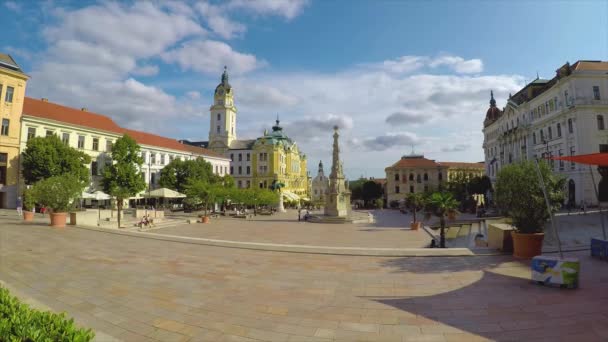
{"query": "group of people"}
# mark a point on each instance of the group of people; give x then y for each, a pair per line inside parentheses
(146, 221)
(306, 215)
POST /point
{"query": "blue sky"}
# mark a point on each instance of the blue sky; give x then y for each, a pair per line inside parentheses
(391, 73)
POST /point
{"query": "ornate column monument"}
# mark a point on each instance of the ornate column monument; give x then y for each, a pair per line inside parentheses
(338, 196)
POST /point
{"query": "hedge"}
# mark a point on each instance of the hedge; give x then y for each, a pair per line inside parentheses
(20, 323)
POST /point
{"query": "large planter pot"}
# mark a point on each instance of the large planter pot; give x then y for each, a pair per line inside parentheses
(527, 246)
(58, 220)
(415, 225)
(205, 219)
(28, 216)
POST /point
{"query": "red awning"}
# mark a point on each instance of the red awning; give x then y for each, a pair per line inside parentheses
(589, 159)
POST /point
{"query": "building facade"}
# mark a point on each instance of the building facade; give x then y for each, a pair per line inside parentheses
(94, 134)
(272, 157)
(320, 185)
(12, 92)
(414, 173)
(563, 116)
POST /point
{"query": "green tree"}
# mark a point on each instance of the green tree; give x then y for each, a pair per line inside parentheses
(179, 173)
(441, 204)
(415, 202)
(123, 179)
(46, 157)
(206, 192)
(58, 192)
(370, 192)
(519, 194)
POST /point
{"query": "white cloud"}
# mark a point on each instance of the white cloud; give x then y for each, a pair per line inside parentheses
(387, 141)
(219, 22)
(193, 94)
(210, 56)
(288, 9)
(13, 6)
(406, 117)
(317, 127)
(409, 64)
(146, 70)
(455, 148)
(458, 64)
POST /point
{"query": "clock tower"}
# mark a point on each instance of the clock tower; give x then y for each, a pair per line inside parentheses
(222, 120)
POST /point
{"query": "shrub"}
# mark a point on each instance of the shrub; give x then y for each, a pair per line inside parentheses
(29, 199)
(58, 192)
(18, 322)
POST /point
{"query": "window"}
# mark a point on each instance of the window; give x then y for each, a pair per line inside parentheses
(171, 157)
(418, 179)
(534, 138)
(94, 171)
(231, 170)
(108, 145)
(603, 148)
(162, 159)
(248, 184)
(559, 130)
(153, 158)
(426, 188)
(440, 176)
(248, 157)
(396, 176)
(49, 133)
(219, 117)
(555, 101)
(426, 176)
(412, 189)
(566, 97)
(570, 126)
(95, 144)
(411, 176)
(572, 165)
(9, 94)
(218, 129)
(81, 141)
(542, 136)
(31, 133)
(596, 92)
(4, 130)
(65, 138)
(547, 107)
(397, 189)
(248, 170)
(3, 167)
(550, 131)
(152, 178)
(240, 157)
(240, 184)
(600, 122)
(561, 162)
(240, 170)
(231, 156)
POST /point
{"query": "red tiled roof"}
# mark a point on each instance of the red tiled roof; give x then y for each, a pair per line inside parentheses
(415, 161)
(55, 112)
(463, 165)
(590, 65)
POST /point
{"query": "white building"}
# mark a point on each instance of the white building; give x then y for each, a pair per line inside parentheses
(94, 134)
(563, 116)
(320, 184)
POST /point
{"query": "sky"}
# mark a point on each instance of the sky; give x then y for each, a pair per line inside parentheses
(395, 76)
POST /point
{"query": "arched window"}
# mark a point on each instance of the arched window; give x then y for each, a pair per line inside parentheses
(418, 179)
(396, 176)
(550, 131)
(534, 138)
(411, 176)
(600, 122)
(559, 130)
(440, 176)
(426, 176)
(219, 117)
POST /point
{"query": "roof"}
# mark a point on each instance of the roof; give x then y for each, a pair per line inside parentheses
(463, 165)
(7, 62)
(52, 111)
(414, 161)
(242, 144)
(590, 65)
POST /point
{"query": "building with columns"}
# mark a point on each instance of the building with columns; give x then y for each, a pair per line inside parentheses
(94, 134)
(562, 116)
(272, 157)
(12, 92)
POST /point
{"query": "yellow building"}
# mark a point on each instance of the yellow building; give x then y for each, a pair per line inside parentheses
(464, 170)
(12, 91)
(254, 162)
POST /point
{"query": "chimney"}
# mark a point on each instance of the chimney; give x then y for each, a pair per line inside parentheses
(84, 109)
(44, 99)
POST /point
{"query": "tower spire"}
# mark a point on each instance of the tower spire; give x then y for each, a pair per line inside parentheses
(225, 76)
(492, 101)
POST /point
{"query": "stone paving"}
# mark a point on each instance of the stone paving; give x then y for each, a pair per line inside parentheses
(391, 230)
(138, 289)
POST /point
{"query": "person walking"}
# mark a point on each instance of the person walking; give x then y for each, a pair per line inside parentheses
(19, 206)
(299, 214)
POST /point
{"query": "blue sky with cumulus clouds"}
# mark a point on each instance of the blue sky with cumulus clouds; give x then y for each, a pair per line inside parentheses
(392, 74)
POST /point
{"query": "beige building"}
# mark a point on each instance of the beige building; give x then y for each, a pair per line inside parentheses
(12, 91)
(414, 173)
(94, 134)
(320, 184)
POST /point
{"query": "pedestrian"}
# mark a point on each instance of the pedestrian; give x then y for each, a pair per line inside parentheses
(584, 207)
(19, 206)
(299, 215)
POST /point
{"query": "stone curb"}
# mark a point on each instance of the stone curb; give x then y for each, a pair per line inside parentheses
(273, 247)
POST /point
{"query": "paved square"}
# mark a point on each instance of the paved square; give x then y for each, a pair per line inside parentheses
(139, 289)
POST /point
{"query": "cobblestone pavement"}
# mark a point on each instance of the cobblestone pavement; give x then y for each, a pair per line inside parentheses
(138, 289)
(390, 231)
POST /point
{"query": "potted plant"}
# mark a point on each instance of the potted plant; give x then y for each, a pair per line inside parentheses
(415, 202)
(441, 204)
(58, 194)
(519, 195)
(29, 204)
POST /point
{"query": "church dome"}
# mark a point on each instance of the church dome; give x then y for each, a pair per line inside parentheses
(224, 83)
(493, 112)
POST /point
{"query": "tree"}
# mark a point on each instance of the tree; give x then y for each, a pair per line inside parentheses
(370, 192)
(415, 202)
(179, 173)
(441, 204)
(45, 157)
(58, 192)
(204, 191)
(519, 194)
(122, 179)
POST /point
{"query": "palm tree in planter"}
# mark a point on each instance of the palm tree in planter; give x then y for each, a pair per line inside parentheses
(415, 202)
(59, 193)
(441, 204)
(519, 195)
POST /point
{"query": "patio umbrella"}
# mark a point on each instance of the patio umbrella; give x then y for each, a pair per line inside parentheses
(165, 193)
